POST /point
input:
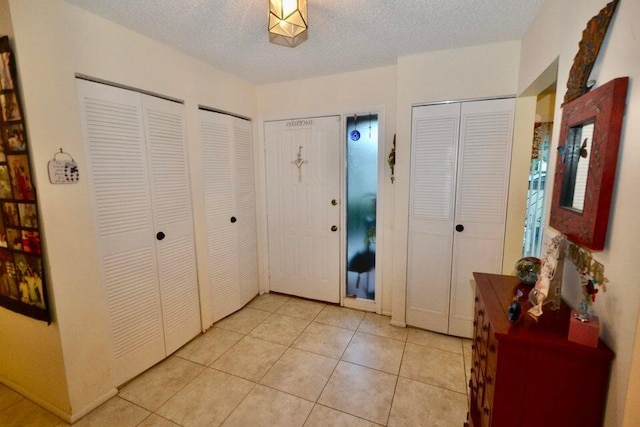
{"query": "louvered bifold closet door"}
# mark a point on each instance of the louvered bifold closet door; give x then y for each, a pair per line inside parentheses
(245, 209)
(113, 129)
(486, 132)
(171, 203)
(217, 133)
(431, 214)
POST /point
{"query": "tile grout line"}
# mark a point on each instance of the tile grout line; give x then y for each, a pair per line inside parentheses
(395, 388)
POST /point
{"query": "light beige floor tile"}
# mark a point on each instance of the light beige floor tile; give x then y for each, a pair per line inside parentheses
(372, 351)
(206, 401)
(243, 321)
(26, 413)
(206, 348)
(8, 397)
(417, 404)
(154, 387)
(340, 316)
(157, 421)
(360, 391)
(321, 416)
(267, 407)
(326, 340)
(432, 366)
(250, 358)
(435, 340)
(379, 325)
(280, 329)
(302, 309)
(300, 373)
(268, 302)
(114, 412)
(466, 347)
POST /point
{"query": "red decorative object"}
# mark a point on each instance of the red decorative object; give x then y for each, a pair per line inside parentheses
(585, 333)
(604, 106)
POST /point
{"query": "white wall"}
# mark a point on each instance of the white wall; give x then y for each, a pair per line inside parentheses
(620, 56)
(31, 353)
(338, 94)
(54, 41)
(458, 74)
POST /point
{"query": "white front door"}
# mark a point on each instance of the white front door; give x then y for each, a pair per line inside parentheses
(303, 206)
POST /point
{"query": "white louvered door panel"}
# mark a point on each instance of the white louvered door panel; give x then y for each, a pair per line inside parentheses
(246, 210)
(117, 165)
(304, 254)
(431, 214)
(486, 133)
(171, 203)
(216, 131)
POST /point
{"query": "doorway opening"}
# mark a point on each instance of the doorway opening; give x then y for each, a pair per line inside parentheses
(534, 218)
(361, 198)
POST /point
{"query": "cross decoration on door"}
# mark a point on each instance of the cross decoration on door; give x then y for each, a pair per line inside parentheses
(299, 162)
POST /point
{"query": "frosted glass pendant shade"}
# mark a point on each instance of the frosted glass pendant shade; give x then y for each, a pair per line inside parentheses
(287, 22)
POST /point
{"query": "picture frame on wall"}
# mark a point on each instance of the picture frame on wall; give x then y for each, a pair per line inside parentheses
(22, 280)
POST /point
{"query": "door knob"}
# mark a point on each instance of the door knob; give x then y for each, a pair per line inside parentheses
(160, 235)
(233, 219)
(334, 202)
(334, 228)
(459, 227)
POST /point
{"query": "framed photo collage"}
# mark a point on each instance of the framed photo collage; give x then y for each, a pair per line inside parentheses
(22, 281)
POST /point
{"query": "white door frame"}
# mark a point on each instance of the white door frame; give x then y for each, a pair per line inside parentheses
(261, 203)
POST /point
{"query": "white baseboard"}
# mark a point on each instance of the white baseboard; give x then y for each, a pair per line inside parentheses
(93, 405)
(396, 323)
(60, 413)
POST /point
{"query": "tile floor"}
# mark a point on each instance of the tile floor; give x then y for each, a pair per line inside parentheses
(283, 361)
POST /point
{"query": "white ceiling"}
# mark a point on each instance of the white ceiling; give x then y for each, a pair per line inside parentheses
(344, 35)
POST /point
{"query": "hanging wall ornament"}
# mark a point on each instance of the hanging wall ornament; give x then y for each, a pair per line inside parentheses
(355, 134)
(63, 169)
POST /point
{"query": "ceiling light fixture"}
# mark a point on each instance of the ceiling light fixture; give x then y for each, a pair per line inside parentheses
(287, 22)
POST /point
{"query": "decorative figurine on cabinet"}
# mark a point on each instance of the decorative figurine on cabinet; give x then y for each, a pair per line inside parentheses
(544, 292)
(514, 309)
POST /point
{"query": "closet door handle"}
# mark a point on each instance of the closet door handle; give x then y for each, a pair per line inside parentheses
(160, 235)
(459, 227)
(233, 219)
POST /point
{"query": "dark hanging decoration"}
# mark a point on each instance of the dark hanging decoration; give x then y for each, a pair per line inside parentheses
(22, 281)
(588, 49)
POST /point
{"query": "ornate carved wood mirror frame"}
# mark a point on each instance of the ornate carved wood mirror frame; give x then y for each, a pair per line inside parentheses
(604, 107)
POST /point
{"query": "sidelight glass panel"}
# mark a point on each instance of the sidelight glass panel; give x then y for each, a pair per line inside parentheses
(362, 185)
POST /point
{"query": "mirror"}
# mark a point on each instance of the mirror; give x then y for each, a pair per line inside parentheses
(586, 164)
(576, 166)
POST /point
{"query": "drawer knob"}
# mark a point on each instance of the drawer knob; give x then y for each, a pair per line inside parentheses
(485, 410)
(489, 380)
(492, 348)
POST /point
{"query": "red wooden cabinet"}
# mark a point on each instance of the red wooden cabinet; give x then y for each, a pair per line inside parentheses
(529, 373)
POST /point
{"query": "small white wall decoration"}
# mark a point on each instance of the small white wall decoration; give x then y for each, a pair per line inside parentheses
(63, 171)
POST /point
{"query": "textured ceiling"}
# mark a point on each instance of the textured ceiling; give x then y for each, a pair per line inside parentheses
(344, 35)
